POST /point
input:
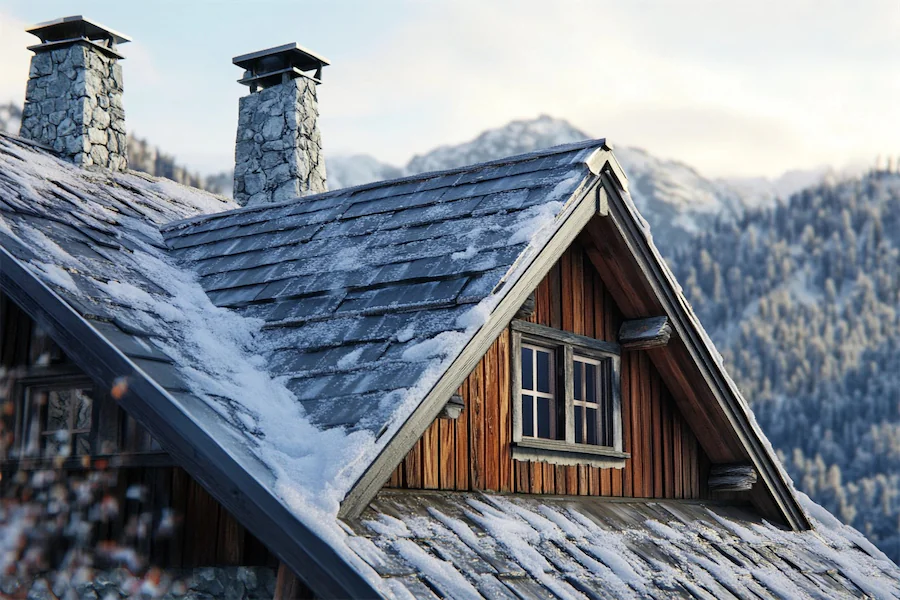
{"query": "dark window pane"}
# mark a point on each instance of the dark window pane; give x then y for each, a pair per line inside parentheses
(543, 418)
(83, 409)
(590, 383)
(58, 406)
(591, 418)
(579, 368)
(527, 369)
(579, 425)
(528, 416)
(82, 444)
(543, 372)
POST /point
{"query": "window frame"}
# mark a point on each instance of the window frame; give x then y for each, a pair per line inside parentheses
(105, 426)
(553, 396)
(47, 380)
(566, 346)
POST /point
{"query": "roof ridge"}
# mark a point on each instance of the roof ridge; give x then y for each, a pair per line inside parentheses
(543, 152)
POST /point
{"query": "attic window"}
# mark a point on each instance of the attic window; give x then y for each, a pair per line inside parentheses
(57, 419)
(538, 397)
(567, 407)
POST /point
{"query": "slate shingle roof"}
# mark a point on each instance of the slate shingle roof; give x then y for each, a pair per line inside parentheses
(351, 282)
(460, 545)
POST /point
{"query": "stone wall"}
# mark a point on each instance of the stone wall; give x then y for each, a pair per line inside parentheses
(278, 155)
(73, 103)
(229, 583)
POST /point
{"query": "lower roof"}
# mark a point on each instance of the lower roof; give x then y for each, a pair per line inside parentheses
(464, 545)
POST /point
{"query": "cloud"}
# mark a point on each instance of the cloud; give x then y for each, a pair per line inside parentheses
(685, 80)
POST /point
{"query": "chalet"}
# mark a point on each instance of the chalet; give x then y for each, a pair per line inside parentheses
(482, 382)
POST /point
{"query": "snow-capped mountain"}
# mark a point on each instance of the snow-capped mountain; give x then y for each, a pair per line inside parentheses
(673, 197)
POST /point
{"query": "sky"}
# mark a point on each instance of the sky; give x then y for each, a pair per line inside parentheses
(735, 88)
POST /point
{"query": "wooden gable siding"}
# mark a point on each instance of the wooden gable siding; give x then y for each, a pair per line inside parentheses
(473, 452)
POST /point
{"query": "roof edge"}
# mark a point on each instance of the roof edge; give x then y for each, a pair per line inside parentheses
(723, 388)
(165, 417)
(600, 143)
(372, 480)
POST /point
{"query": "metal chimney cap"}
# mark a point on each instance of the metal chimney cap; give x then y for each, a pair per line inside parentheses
(300, 57)
(69, 30)
(273, 65)
(75, 26)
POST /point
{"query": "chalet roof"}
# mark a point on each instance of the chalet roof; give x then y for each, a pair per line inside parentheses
(463, 545)
(287, 354)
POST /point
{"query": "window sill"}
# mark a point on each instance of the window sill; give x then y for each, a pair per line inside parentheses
(150, 458)
(561, 453)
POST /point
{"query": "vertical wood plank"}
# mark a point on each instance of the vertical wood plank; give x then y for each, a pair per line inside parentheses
(447, 463)
(536, 478)
(430, 456)
(203, 519)
(571, 480)
(577, 298)
(667, 416)
(626, 475)
(412, 466)
(492, 417)
(637, 443)
(476, 428)
(230, 547)
(559, 473)
(583, 488)
(566, 293)
(522, 477)
(596, 479)
(504, 425)
(288, 586)
(555, 286)
(549, 479)
(462, 440)
(695, 471)
(677, 457)
(656, 410)
(590, 306)
(396, 480)
(647, 425)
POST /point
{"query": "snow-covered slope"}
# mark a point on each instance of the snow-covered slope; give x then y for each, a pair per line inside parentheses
(10, 118)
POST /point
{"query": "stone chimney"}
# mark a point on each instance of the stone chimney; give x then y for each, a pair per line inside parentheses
(278, 155)
(73, 102)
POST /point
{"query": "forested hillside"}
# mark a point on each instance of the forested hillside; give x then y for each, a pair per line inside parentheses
(802, 301)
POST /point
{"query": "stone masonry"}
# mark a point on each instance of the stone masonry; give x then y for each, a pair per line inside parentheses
(278, 155)
(73, 103)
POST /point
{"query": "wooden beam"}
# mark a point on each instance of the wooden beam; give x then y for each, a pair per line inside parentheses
(288, 587)
(640, 334)
(732, 478)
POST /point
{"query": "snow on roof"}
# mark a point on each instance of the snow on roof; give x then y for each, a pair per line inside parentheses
(464, 545)
(370, 292)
